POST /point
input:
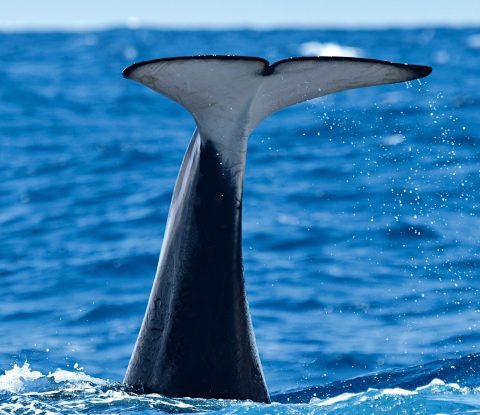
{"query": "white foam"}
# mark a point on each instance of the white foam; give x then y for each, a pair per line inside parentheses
(398, 392)
(473, 41)
(61, 375)
(330, 401)
(375, 394)
(434, 382)
(314, 48)
(393, 140)
(14, 379)
(110, 396)
(438, 382)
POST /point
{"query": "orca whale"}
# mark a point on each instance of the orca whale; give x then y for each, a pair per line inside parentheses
(196, 339)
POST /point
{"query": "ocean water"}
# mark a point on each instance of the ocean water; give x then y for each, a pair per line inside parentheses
(361, 218)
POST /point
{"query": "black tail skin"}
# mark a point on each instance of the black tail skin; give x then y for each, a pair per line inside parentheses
(196, 339)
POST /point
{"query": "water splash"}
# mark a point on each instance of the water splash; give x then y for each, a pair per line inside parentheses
(24, 391)
(14, 379)
(329, 49)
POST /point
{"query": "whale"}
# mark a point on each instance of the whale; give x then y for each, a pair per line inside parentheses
(196, 339)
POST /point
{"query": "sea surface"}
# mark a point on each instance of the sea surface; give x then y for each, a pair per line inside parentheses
(361, 223)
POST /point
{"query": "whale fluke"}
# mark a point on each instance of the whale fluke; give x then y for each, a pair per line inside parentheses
(231, 92)
(196, 339)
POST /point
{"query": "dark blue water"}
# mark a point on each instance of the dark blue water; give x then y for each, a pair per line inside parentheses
(361, 218)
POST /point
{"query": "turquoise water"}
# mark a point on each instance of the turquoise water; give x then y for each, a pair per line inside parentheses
(361, 244)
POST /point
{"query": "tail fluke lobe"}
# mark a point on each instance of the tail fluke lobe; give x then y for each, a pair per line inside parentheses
(301, 79)
(231, 95)
(215, 90)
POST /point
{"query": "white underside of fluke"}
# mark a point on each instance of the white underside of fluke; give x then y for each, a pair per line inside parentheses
(228, 96)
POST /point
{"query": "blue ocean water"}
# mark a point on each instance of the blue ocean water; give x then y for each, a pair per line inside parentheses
(361, 218)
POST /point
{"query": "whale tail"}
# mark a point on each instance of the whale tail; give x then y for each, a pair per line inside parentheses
(228, 94)
(196, 338)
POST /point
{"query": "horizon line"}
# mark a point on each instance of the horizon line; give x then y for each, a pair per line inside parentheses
(136, 25)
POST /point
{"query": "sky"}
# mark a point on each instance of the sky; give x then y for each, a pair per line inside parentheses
(79, 14)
